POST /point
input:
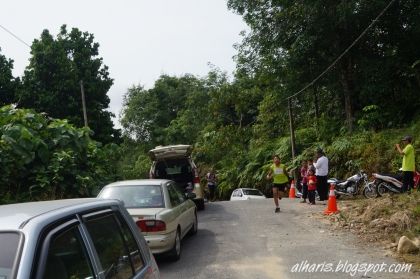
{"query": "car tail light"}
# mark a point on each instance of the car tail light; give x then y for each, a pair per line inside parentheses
(196, 180)
(151, 225)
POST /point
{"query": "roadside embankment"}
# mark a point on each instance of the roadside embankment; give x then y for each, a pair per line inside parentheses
(391, 221)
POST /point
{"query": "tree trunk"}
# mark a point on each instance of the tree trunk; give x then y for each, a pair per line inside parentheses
(316, 101)
(347, 81)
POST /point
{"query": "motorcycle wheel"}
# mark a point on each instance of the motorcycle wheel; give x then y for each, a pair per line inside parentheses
(370, 193)
(381, 189)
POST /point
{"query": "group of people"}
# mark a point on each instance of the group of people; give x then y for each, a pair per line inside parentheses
(314, 178)
(314, 174)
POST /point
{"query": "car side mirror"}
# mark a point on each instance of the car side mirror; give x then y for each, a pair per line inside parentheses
(191, 195)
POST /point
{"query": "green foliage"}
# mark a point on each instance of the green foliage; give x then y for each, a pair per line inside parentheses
(44, 158)
(373, 118)
(8, 84)
(135, 164)
(155, 115)
(237, 125)
(51, 82)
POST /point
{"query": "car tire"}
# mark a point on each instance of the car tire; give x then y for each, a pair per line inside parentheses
(200, 204)
(194, 228)
(175, 252)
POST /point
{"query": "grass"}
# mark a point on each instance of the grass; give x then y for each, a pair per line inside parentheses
(384, 220)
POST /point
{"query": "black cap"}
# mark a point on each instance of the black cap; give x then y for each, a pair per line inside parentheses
(407, 138)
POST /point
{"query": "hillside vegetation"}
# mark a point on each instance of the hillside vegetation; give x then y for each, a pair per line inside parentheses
(356, 111)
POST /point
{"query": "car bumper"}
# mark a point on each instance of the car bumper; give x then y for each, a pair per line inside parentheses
(160, 243)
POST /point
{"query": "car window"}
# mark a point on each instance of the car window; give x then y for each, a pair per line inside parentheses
(234, 193)
(67, 257)
(181, 195)
(173, 195)
(252, 192)
(110, 247)
(133, 248)
(9, 244)
(135, 196)
(170, 167)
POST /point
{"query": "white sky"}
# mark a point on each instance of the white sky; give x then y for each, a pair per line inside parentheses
(139, 39)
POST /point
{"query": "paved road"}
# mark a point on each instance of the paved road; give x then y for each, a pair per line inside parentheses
(247, 240)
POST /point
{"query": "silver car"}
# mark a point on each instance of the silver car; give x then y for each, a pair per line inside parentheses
(81, 238)
(163, 212)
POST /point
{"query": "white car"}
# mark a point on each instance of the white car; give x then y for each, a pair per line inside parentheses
(242, 194)
(163, 213)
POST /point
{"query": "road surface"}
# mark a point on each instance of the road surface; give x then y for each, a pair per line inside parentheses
(247, 240)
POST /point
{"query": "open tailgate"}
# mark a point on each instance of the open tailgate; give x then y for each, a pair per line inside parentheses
(170, 151)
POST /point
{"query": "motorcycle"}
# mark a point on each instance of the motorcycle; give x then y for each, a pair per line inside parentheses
(392, 182)
(353, 185)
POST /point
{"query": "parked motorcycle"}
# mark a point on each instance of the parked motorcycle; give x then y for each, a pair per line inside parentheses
(353, 185)
(392, 183)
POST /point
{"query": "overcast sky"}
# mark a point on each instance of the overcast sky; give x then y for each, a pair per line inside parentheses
(139, 39)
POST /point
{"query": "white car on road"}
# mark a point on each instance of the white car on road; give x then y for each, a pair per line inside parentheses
(163, 213)
(242, 194)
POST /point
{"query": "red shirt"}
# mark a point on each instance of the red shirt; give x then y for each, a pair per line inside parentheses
(311, 182)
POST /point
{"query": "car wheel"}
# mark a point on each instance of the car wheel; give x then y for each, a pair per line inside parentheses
(175, 252)
(194, 227)
(200, 204)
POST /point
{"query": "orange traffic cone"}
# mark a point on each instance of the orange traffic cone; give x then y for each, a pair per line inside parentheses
(292, 192)
(332, 202)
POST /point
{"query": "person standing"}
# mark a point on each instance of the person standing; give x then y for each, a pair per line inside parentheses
(408, 163)
(304, 174)
(211, 184)
(278, 173)
(321, 172)
(311, 186)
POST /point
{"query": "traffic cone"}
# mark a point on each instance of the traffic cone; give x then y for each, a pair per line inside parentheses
(332, 202)
(292, 192)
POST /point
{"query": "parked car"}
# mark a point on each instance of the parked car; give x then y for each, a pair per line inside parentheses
(174, 162)
(242, 194)
(164, 214)
(80, 238)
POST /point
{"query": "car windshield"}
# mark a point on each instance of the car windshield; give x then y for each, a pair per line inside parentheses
(252, 192)
(136, 196)
(9, 244)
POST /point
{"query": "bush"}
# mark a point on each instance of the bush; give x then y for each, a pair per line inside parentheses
(44, 158)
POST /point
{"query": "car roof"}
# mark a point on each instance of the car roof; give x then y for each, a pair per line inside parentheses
(15, 216)
(139, 182)
(247, 189)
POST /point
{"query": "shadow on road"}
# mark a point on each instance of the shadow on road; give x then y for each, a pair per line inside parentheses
(199, 251)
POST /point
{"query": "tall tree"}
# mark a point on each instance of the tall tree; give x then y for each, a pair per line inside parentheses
(291, 42)
(51, 82)
(8, 84)
(148, 115)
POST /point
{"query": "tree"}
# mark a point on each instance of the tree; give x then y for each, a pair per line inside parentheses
(155, 115)
(44, 158)
(51, 82)
(8, 84)
(291, 42)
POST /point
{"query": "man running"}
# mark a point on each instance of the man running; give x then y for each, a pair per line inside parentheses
(278, 173)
